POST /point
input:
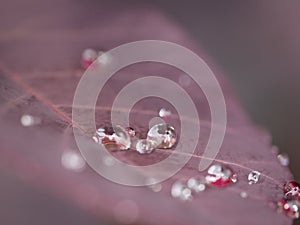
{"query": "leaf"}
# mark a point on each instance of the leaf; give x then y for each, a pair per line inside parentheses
(43, 57)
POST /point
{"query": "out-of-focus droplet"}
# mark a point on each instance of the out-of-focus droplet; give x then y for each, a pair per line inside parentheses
(290, 208)
(184, 80)
(181, 191)
(72, 161)
(130, 131)
(88, 57)
(164, 113)
(144, 146)
(163, 134)
(220, 176)
(253, 177)
(196, 184)
(104, 58)
(29, 120)
(283, 159)
(126, 212)
(153, 185)
(113, 138)
(244, 194)
(109, 161)
(292, 190)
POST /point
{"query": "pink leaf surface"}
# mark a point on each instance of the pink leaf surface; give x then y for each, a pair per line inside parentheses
(39, 76)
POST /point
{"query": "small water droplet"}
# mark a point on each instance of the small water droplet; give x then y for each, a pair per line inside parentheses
(290, 208)
(145, 146)
(182, 191)
(130, 131)
(283, 159)
(220, 176)
(163, 134)
(184, 80)
(292, 190)
(253, 177)
(196, 184)
(104, 58)
(113, 138)
(164, 113)
(29, 120)
(72, 161)
(109, 161)
(88, 57)
(244, 194)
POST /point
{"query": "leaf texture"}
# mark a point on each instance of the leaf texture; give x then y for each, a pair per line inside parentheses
(39, 73)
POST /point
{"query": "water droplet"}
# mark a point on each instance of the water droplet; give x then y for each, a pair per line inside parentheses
(291, 208)
(244, 194)
(164, 113)
(145, 146)
(196, 184)
(104, 58)
(220, 176)
(184, 80)
(182, 191)
(113, 138)
(109, 161)
(163, 134)
(28, 120)
(153, 185)
(72, 161)
(292, 190)
(88, 57)
(253, 177)
(130, 131)
(283, 159)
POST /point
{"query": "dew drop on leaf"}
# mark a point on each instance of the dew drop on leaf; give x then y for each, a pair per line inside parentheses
(163, 134)
(220, 176)
(283, 159)
(72, 161)
(253, 177)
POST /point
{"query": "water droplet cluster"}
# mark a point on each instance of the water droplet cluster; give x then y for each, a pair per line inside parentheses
(119, 138)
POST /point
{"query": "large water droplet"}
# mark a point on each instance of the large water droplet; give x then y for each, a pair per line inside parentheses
(163, 134)
(253, 177)
(220, 176)
(113, 138)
